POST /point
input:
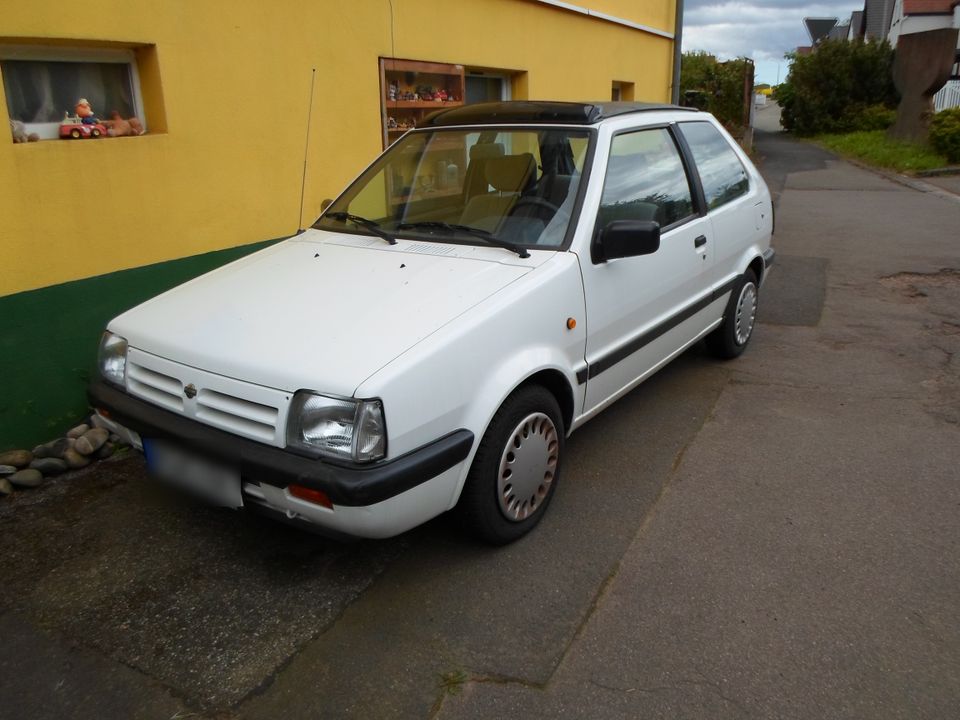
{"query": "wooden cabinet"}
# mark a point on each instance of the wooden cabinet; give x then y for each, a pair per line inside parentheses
(410, 90)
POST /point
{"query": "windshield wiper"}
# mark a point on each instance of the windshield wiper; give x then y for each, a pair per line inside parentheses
(484, 235)
(371, 225)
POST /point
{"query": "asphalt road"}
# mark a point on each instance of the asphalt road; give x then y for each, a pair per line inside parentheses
(771, 537)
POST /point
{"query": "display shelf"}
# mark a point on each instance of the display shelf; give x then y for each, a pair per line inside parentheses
(401, 80)
(422, 104)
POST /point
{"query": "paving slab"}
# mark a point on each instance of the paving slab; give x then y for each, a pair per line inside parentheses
(950, 183)
(46, 676)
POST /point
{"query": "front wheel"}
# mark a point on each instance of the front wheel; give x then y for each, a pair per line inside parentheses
(516, 468)
(730, 339)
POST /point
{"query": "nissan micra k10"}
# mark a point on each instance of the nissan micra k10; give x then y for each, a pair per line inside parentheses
(492, 281)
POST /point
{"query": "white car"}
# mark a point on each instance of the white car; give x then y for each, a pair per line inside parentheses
(491, 282)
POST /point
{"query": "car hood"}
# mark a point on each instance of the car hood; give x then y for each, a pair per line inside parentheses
(322, 311)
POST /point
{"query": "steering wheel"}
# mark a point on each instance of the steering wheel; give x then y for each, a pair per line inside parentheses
(534, 201)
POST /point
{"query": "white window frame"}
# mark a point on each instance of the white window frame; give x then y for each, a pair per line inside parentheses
(47, 53)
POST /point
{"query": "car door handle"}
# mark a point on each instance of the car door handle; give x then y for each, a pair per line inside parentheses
(700, 241)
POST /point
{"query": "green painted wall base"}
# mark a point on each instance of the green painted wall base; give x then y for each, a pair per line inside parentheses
(49, 338)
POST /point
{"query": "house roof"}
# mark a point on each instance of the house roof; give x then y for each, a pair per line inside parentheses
(819, 28)
(839, 31)
(856, 23)
(928, 7)
(877, 16)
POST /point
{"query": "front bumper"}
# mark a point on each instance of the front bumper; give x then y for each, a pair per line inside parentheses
(346, 484)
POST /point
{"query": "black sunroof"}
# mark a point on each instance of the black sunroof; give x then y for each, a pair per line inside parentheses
(539, 112)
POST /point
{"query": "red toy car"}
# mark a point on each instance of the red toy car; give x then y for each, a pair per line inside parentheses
(73, 127)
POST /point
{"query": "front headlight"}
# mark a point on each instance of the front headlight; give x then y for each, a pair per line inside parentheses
(112, 358)
(337, 427)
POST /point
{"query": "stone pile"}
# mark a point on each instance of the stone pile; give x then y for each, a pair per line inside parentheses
(78, 448)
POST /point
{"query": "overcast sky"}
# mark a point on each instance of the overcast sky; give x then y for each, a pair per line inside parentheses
(760, 29)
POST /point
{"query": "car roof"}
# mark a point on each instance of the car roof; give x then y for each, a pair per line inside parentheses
(537, 112)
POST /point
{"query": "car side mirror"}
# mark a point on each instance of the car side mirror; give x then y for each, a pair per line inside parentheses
(325, 204)
(625, 238)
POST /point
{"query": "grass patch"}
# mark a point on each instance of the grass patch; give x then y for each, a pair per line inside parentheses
(875, 148)
(452, 683)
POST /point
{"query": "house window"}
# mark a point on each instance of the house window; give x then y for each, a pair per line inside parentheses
(42, 85)
(621, 90)
(481, 87)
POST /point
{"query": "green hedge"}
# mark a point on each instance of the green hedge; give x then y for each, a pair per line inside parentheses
(714, 86)
(945, 133)
(841, 86)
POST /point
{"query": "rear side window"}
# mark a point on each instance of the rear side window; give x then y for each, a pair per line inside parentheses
(721, 172)
(645, 180)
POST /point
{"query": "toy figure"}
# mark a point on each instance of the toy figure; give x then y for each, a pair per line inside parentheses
(20, 134)
(85, 112)
(118, 127)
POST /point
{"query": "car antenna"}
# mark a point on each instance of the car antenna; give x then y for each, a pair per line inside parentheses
(306, 149)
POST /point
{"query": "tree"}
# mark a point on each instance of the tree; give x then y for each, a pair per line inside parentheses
(717, 87)
(839, 87)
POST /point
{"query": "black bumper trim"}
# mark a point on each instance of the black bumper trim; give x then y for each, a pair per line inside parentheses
(769, 255)
(351, 485)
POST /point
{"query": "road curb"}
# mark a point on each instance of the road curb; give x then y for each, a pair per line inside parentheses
(905, 180)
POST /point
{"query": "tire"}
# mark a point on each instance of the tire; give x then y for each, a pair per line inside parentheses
(491, 506)
(739, 319)
(95, 133)
(75, 134)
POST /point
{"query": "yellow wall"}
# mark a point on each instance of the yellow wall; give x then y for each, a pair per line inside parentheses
(235, 79)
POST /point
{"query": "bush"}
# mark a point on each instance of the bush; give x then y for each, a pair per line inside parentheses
(840, 87)
(872, 117)
(714, 86)
(945, 133)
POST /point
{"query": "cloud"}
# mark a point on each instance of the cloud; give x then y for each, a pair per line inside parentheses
(760, 29)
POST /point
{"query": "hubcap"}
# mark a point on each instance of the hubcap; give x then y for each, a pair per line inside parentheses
(527, 467)
(746, 313)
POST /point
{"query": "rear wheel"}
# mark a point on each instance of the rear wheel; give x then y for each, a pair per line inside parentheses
(516, 468)
(731, 338)
(75, 134)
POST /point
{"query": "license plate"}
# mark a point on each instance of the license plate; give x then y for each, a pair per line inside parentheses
(215, 483)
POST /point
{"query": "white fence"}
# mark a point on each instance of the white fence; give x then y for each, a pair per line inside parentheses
(948, 97)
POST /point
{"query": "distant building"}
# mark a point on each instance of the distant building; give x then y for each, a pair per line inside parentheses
(877, 15)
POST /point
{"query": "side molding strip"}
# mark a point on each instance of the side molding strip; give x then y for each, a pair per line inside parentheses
(609, 360)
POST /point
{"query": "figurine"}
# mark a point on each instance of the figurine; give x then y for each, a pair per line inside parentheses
(85, 112)
(118, 127)
(19, 131)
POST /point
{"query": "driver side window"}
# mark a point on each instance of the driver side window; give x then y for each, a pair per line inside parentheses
(645, 180)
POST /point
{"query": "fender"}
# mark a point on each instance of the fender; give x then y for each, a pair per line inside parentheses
(472, 365)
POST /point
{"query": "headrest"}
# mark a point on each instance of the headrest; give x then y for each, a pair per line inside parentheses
(486, 150)
(510, 173)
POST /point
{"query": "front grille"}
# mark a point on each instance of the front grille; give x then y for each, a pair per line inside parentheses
(242, 408)
(237, 415)
(155, 386)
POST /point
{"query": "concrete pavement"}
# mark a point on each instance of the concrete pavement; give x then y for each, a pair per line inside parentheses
(803, 561)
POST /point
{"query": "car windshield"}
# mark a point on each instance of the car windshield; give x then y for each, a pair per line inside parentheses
(500, 186)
